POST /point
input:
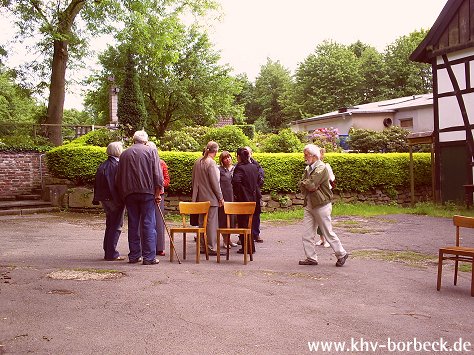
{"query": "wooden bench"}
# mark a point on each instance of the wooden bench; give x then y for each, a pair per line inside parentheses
(458, 253)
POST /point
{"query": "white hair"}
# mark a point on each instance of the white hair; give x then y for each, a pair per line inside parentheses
(313, 150)
(140, 137)
(114, 149)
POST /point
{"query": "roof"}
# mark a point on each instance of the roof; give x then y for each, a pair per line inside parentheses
(386, 106)
(452, 30)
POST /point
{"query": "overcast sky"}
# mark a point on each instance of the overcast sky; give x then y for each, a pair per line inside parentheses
(288, 31)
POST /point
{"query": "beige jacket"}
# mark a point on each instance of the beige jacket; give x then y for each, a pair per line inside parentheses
(315, 185)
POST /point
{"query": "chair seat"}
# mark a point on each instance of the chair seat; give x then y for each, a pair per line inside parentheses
(187, 230)
(458, 251)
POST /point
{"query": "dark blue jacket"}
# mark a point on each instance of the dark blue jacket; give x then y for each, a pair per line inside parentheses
(105, 187)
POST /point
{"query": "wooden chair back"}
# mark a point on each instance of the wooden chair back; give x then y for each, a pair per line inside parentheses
(188, 208)
(458, 253)
(239, 208)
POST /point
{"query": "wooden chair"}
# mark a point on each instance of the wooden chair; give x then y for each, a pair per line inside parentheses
(186, 209)
(457, 253)
(237, 208)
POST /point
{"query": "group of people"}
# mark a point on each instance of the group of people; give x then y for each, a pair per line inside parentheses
(226, 182)
(135, 179)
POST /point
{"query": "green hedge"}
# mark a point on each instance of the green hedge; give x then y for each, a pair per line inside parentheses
(354, 172)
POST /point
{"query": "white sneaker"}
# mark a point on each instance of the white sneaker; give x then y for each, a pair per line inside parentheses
(326, 245)
(319, 242)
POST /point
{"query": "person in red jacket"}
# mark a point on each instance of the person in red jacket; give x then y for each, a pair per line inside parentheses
(160, 226)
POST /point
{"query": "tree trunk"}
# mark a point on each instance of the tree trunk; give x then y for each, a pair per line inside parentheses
(57, 91)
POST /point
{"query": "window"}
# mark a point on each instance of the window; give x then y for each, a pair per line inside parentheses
(406, 123)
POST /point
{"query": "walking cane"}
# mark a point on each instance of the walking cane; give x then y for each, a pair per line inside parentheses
(167, 230)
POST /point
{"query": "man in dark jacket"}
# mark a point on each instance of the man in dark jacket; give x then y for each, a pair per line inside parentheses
(258, 208)
(106, 192)
(140, 181)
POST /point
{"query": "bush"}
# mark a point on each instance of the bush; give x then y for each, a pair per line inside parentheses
(180, 141)
(390, 140)
(327, 138)
(284, 142)
(75, 162)
(198, 133)
(283, 171)
(248, 129)
(228, 137)
(99, 137)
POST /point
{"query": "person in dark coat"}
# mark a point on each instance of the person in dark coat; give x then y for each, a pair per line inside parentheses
(106, 192)
(225, 170)
(258, 209)
(245, 186)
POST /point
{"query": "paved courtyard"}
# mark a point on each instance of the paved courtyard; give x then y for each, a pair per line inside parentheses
(270, 306)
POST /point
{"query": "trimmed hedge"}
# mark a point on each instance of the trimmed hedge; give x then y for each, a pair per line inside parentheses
(354, 172)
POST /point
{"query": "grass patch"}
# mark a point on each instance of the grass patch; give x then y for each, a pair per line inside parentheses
(407, 257)
(465, 267)
(295, 214)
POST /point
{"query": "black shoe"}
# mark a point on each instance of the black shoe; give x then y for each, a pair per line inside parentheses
(214, 253)
(151, 262)
(134, 261)
(118, 258)
(258, 240)
(341, 261)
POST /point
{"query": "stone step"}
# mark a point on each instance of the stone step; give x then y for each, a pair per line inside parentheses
(28, 197)
(22, 207)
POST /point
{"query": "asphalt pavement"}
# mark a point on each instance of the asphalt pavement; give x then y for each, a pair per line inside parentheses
(58, 295)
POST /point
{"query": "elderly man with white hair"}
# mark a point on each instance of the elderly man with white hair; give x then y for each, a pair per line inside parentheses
(140, 181)
(317, 208)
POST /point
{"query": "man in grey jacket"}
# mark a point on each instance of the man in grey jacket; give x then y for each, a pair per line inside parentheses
(317, 208)
(139, 180)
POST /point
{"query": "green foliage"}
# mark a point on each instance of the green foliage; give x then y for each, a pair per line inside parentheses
(20, 143)
(283, 171)
(180, 166)
(390, 140)
(198, 133)
(179, 141)
(99, 137)
(284, 142)
(272, 86)
(248, 129)
(75, 162)
(362, 172)
(131, 107)
(228, 137)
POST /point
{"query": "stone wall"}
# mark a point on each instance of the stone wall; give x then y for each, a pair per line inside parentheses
(21, 173)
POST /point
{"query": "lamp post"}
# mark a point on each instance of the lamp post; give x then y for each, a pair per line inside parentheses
(113, 102)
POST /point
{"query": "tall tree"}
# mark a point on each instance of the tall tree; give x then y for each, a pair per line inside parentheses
(327, 79)
(131, 107)
(271, 85)
(246, 98)
(179, 75)
(62, 26)
(405, 77)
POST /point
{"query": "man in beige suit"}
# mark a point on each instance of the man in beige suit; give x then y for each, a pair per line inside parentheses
(206, 187)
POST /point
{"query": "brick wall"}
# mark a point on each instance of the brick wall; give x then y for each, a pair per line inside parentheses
(21, 173)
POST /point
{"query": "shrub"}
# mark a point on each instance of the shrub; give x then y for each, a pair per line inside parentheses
(75, 162)
(99, 137)
(248, 129)
(327, 138)
(228, 137)
(198, 133)
(179, 141)
(283, 171)
(390, 140)
(284, 142)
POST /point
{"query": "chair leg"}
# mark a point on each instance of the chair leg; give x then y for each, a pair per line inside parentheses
(228, 247)
(184, 246)
(440, 270)
(251, 245)
(456, 265)
(205, 245)
(198, 247)
(245, 247)
(171, 246)
(219, 247)
(472, 278)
